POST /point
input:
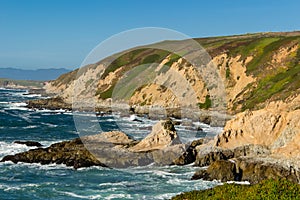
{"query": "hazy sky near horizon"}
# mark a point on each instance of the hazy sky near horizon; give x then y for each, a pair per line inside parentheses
(60, 33)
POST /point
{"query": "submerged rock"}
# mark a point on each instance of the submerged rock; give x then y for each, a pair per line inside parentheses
(29, 143)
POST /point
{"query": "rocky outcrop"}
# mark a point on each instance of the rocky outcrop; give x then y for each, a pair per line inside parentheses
(112, 149)
(71, 153)
(163, 135)
(277, 126)
(222, 170)
(255, 145)
(247, 169)
(189, 156)
(207, 155)
(55, 103)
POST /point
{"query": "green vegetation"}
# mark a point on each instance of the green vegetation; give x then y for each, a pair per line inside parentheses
(227, 70)
(151, 59)
(134, 58)
(207, 104)
(173, 58)
(107, 93)
(66, 78)
(278, 86)
(254, 48)
(264, 54)
(122, 60)
(268, 189)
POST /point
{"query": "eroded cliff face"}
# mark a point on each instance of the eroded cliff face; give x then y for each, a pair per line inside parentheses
(276, 127)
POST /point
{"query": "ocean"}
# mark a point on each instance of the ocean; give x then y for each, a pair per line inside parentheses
(36, 181)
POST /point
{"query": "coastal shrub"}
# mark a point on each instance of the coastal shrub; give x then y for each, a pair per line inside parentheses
(207, 104)
(107, 93)
(267, 189)
(173, 58)
(151, 59)
(280, 84)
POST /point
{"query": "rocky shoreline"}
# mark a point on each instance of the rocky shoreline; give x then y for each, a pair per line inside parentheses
(204, 116)
(252, 163)
(109, 149)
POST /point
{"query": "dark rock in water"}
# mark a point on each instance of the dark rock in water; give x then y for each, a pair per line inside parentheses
(71, 153)
(189, 156)
(40, 91)
(29, 143)
(219, 170)
(206, 158)
(54, 103)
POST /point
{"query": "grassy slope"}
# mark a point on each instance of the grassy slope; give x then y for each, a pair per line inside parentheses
(268, 189)
(272, 83)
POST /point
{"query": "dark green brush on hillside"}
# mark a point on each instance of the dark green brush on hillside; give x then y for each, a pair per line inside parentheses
(268, 190)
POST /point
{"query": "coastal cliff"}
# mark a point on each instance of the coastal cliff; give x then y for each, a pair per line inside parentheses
(260, 73)
(256, 69)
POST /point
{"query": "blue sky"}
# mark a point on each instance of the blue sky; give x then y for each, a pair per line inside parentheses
(60, 33)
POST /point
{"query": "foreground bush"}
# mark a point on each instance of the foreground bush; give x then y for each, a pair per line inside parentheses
(268, 189)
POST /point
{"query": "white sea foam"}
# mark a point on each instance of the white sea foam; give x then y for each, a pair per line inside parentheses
(72, 194)
(177, 181)
(9, 148)
(12, 148)
(17, 106)
(49, 124)
(84, 114)
(122, 183)
(30, 127)
(51, 169)
(165, 196)
(31, 95)
(163, 174)
(51, 111)
(239, 182)
(119, 196)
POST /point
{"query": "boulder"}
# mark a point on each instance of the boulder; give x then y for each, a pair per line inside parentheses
(163, 135)
(114, 137)
(223, 170)
(189, 156)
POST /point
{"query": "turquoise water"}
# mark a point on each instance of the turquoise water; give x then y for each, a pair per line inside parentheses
(35, 181)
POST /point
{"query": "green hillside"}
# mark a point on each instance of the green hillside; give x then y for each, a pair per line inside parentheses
(275, 80)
